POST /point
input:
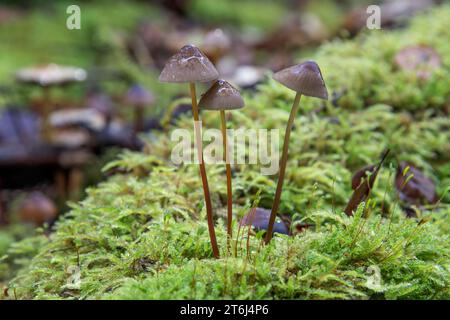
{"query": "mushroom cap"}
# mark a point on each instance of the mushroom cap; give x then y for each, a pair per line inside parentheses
(216, 42)
(139, 96)
(305, 78)
(221, 96)
(51, 74)
(38, 208)
(188, 65)
(84, 117)
(69, 138)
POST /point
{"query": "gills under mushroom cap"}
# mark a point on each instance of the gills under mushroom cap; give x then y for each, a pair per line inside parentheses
(189, 65)
(221, 96)
(305, 78)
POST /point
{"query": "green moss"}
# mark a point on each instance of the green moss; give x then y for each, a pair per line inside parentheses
(331, 263)
(142, 233)
(18, 244)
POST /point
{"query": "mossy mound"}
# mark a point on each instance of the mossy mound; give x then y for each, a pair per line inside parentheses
(362, 72)
(142, 234)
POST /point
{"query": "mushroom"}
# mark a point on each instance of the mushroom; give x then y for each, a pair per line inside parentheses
(89, 118)
(138, 97)
(70, 137)
(223, 96)
(51, 74)
(37, 208)
(190, 65)
(47, 76)
(216, 44)
(305, 78)
(247, 76)
(101, 103)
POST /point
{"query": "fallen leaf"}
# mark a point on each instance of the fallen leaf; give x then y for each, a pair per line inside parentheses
(362, 183)
(413, 187)
(259, 219)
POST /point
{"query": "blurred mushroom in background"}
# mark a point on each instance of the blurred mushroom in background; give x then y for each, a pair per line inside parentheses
(216, 44)
(87, 118)
(139, 98)
(37, 209)
(102, 103)
(47, 76)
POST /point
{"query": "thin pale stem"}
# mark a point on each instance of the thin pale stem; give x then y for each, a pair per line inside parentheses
(283, 161)
(226, 158)
(198, 138)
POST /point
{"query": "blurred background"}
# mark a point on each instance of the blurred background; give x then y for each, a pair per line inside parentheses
(70, 100)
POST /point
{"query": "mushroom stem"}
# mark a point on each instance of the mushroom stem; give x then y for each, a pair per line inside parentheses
(212, 233)
(226, 158)
(138, 119)
(75, 183)
(283, 161)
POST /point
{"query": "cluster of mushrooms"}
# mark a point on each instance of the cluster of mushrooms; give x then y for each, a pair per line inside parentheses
(190, 65)
(48, 76)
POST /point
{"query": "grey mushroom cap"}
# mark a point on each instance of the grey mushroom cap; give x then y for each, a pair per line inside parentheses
(188, 65)
(139, 96)
(221, 96)
(51, 74)
(305, 78)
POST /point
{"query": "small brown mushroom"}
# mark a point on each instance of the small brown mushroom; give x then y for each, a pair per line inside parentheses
(70, 137)
(306, 79)
(191, 65)
(37, 208)
(247, 76)
(188, 65)
(138, 97)
(47, 76)
(51, 74)
(84, 117)
(223, 96)
(216, 44)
